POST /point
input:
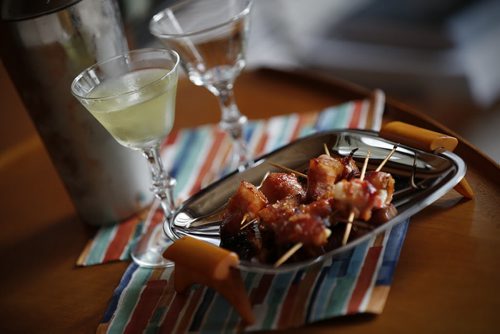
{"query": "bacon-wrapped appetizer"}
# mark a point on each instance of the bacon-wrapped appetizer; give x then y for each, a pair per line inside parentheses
(278, 186)
(246, 202)
(357, 196)
(383, 182)
(370, 199)
(280, 210)
(350, 170)
(287, 211)
(287, 222)
(324, 171)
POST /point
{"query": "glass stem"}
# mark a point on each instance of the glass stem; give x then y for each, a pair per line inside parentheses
(233, 122)
(162, 186)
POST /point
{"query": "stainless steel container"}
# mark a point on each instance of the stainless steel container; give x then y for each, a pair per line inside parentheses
(45, 44)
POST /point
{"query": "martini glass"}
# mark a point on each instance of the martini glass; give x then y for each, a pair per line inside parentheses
(210, 37)
(133, 96)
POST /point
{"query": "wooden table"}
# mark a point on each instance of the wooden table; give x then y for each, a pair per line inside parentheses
(447, 279)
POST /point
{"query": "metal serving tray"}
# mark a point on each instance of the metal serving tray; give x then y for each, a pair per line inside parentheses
(421, 178)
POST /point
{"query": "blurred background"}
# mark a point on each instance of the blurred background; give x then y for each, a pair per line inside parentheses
(441, 56)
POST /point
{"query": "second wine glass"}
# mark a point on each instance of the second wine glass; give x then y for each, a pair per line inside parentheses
(210, 37)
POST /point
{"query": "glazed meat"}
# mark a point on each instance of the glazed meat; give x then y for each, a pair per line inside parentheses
(324, 171)
(359, 197)
(301, 227)
(350, 170)
(247, 200)
(278, 186)
(247, 242)
(382, 182)
(280, 210)
(321, 208)
(383, 214)
(290, 222)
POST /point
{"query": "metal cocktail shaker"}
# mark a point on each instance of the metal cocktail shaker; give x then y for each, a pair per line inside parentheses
(45, 44)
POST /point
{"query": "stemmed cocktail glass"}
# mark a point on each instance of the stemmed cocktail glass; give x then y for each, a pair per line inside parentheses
(133, 96)
(210, 37)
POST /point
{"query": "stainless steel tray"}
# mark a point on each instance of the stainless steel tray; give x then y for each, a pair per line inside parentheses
(433, 175)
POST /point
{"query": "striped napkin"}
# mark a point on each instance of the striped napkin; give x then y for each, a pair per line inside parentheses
(145, 301)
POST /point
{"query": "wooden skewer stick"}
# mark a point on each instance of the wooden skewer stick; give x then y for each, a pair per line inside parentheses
(328, 232)
(288, 254)
(248, 224)
(351, 214)
(365, 164)
(348, 228)
(379, 168)
(357, 223)
(263, 179)
(287, 169)
(295, 248)
(327, 151)
(245, 217)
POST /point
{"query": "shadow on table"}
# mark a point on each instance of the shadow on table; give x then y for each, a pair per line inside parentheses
(32, 255)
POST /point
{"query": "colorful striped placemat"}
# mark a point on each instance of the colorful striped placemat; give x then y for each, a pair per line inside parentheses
(354, 282)
(145, 301)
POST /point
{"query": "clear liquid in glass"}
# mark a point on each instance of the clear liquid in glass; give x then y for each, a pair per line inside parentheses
(142, 118)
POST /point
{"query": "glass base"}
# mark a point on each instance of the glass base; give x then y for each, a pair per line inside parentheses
(148, 252)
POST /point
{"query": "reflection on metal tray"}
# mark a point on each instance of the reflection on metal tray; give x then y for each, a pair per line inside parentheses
(421, 178)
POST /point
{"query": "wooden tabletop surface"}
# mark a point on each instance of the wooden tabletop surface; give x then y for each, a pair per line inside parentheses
(447, 278)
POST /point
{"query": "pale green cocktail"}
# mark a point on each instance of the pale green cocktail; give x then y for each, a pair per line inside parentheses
(141, 119)
(133, 97)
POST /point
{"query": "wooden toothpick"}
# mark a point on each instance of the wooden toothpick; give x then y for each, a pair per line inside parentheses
(365, 164)
(379, 168)
(288, 169)
(248, 224)
(351, 214)
(327, 151)
(356, 223)
(348, 228)
(245, 217)
(295, 248)
(288, 254)
(263, 179)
